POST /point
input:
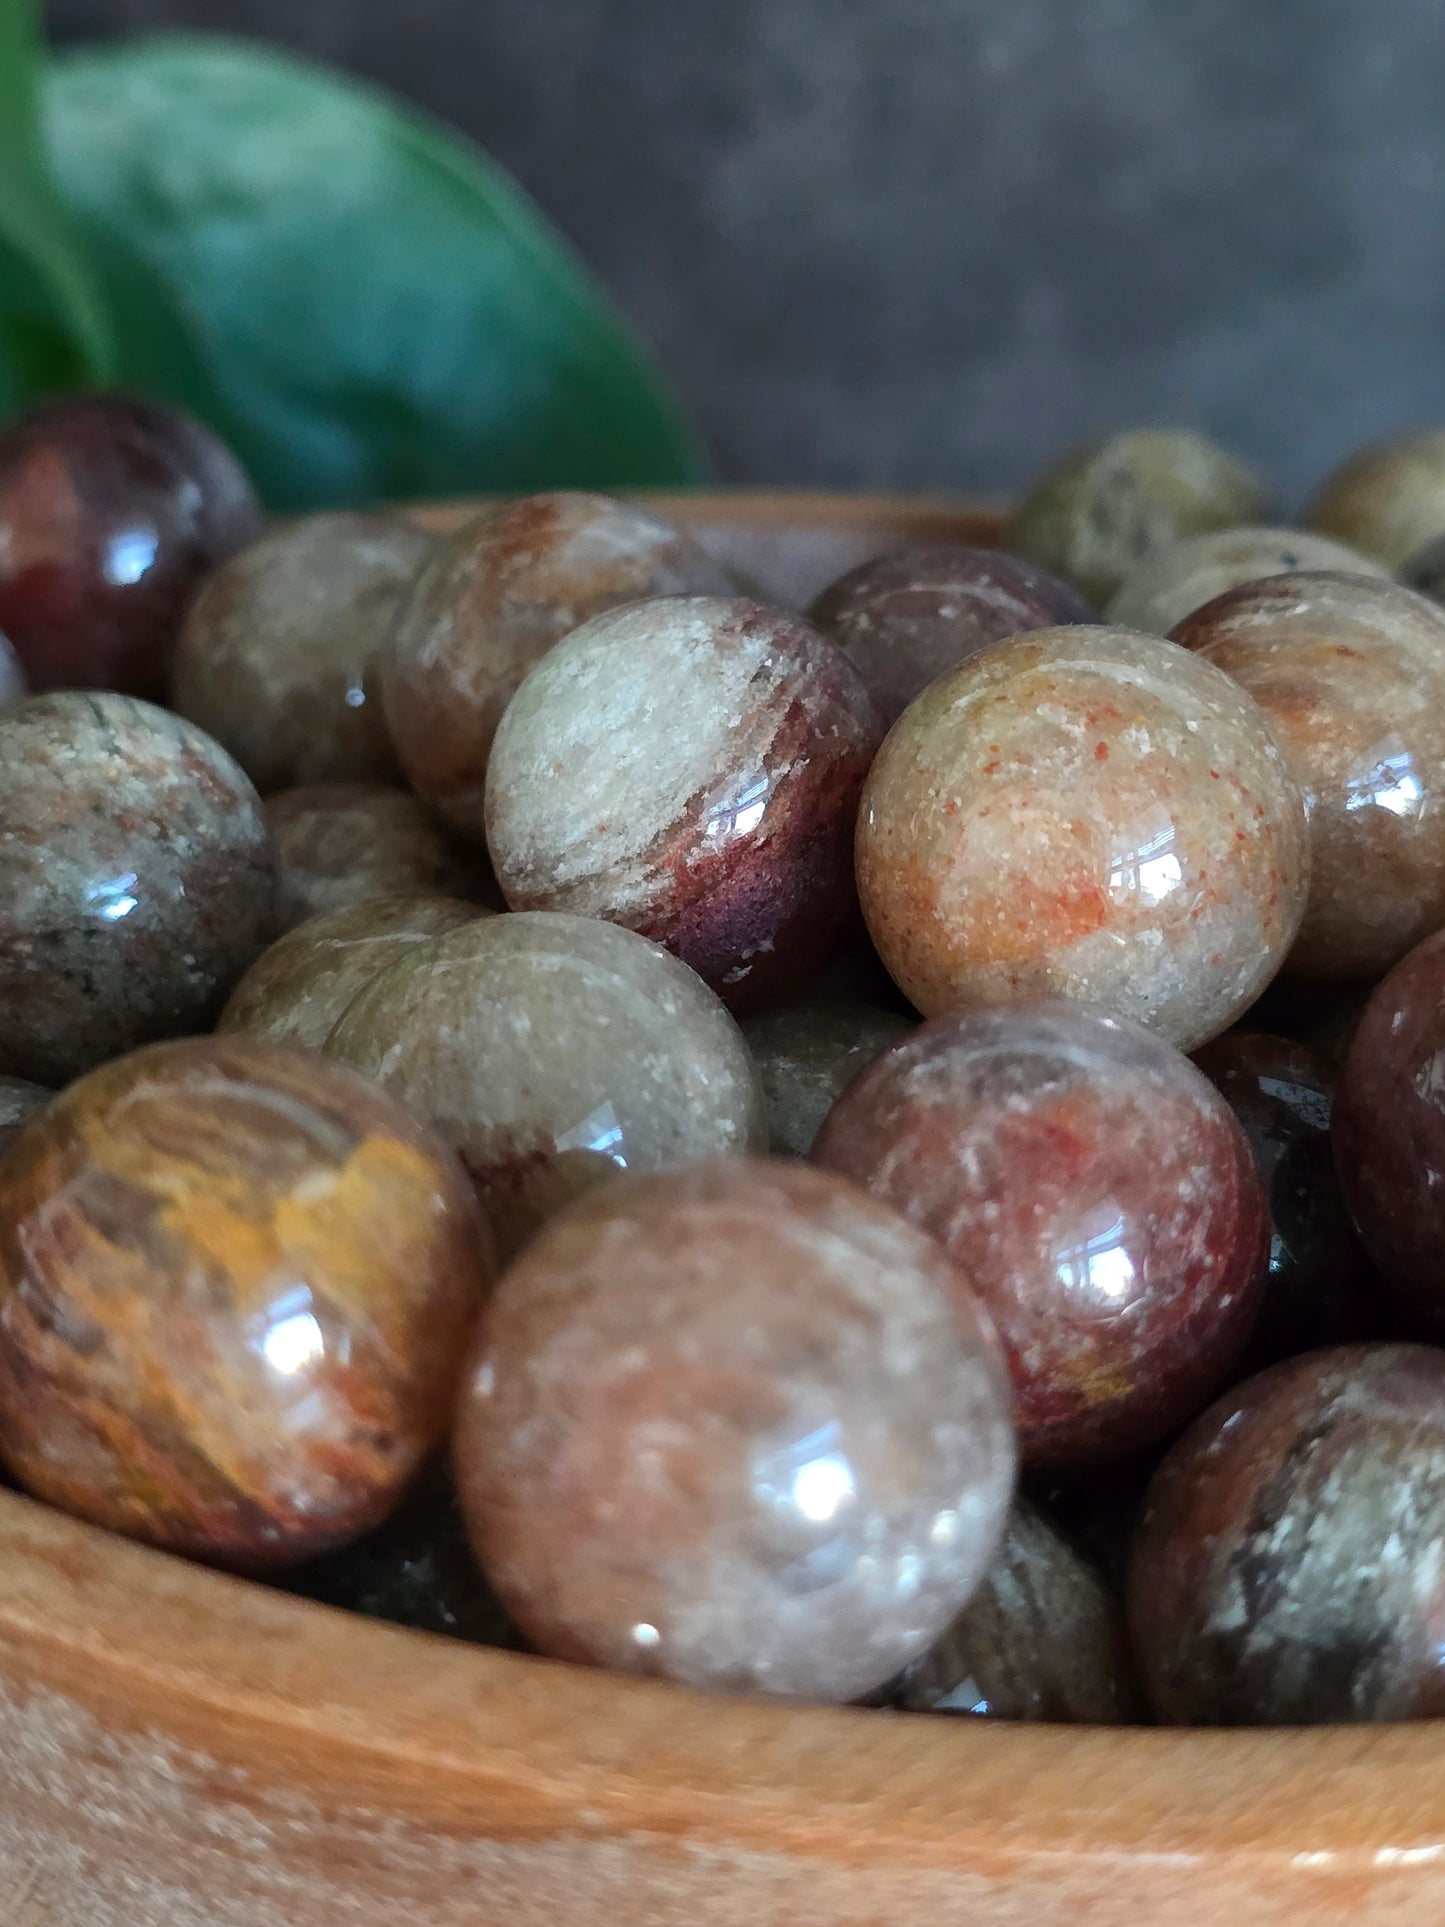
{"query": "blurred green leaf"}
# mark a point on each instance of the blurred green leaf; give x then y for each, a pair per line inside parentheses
(54, 329)
(356, 299)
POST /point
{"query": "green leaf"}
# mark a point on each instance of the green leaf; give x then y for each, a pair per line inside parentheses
(54, 328)
(357, 300)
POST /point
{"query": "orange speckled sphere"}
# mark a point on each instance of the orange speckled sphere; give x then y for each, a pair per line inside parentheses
(1089, 813)
(235, 1288)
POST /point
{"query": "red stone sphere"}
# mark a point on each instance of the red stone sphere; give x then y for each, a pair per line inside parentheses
(903, 619)
(689, 767)
(1388, 1128)
(1094, 1191)
(112, 509)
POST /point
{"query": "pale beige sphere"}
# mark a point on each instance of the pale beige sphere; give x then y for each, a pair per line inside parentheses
(1095, 515)
(1389, 499)
(553, 1053)
(1182, 578)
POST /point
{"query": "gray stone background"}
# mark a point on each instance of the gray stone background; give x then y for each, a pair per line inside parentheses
(926, 243)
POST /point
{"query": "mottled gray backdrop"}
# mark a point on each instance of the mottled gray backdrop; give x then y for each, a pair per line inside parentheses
(926, 242)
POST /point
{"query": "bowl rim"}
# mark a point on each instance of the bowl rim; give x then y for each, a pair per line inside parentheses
(444, 1732)
(954, 516)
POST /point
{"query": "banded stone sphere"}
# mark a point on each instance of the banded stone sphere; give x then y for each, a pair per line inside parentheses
(235, 1288)
(343, 843)
(1172, 583)
(1090, 813)
(1095, 515)
(1350, 674)
(1387, 499)
(1095, 1194)
(807, 1053)
(1041, 1639)
(689, 768)
(1288, 1566)
(489, 605)
(1389, 1129)
(301, 986)
(276, 654)
(903, 619)
(137, 880)
(554, 1052)
(731, 1426)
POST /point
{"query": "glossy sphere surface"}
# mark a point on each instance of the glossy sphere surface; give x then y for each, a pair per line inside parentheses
(553, 1052)
(298, 990)
(1389, 499)
(492, 602)
(1389, 1128)
(1085, 812)
(1097, 513)
(689, 768)
(806, 1054)
(417, 1569)
(341, 843)
(1288, 1567)
(137, 880)
(724, 1425)
(275, 656)
(1041, 1639)
(1176, 581)
(1321, 1289)
(1094, 1191)
(1350, 674)
(904, 619)
(111, 512)
(235, 1282)
(19, 1101)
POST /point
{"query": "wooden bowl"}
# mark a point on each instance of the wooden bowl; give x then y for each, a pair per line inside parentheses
(183, 1749)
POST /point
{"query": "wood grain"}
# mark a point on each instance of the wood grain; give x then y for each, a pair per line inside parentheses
(183, 1749)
